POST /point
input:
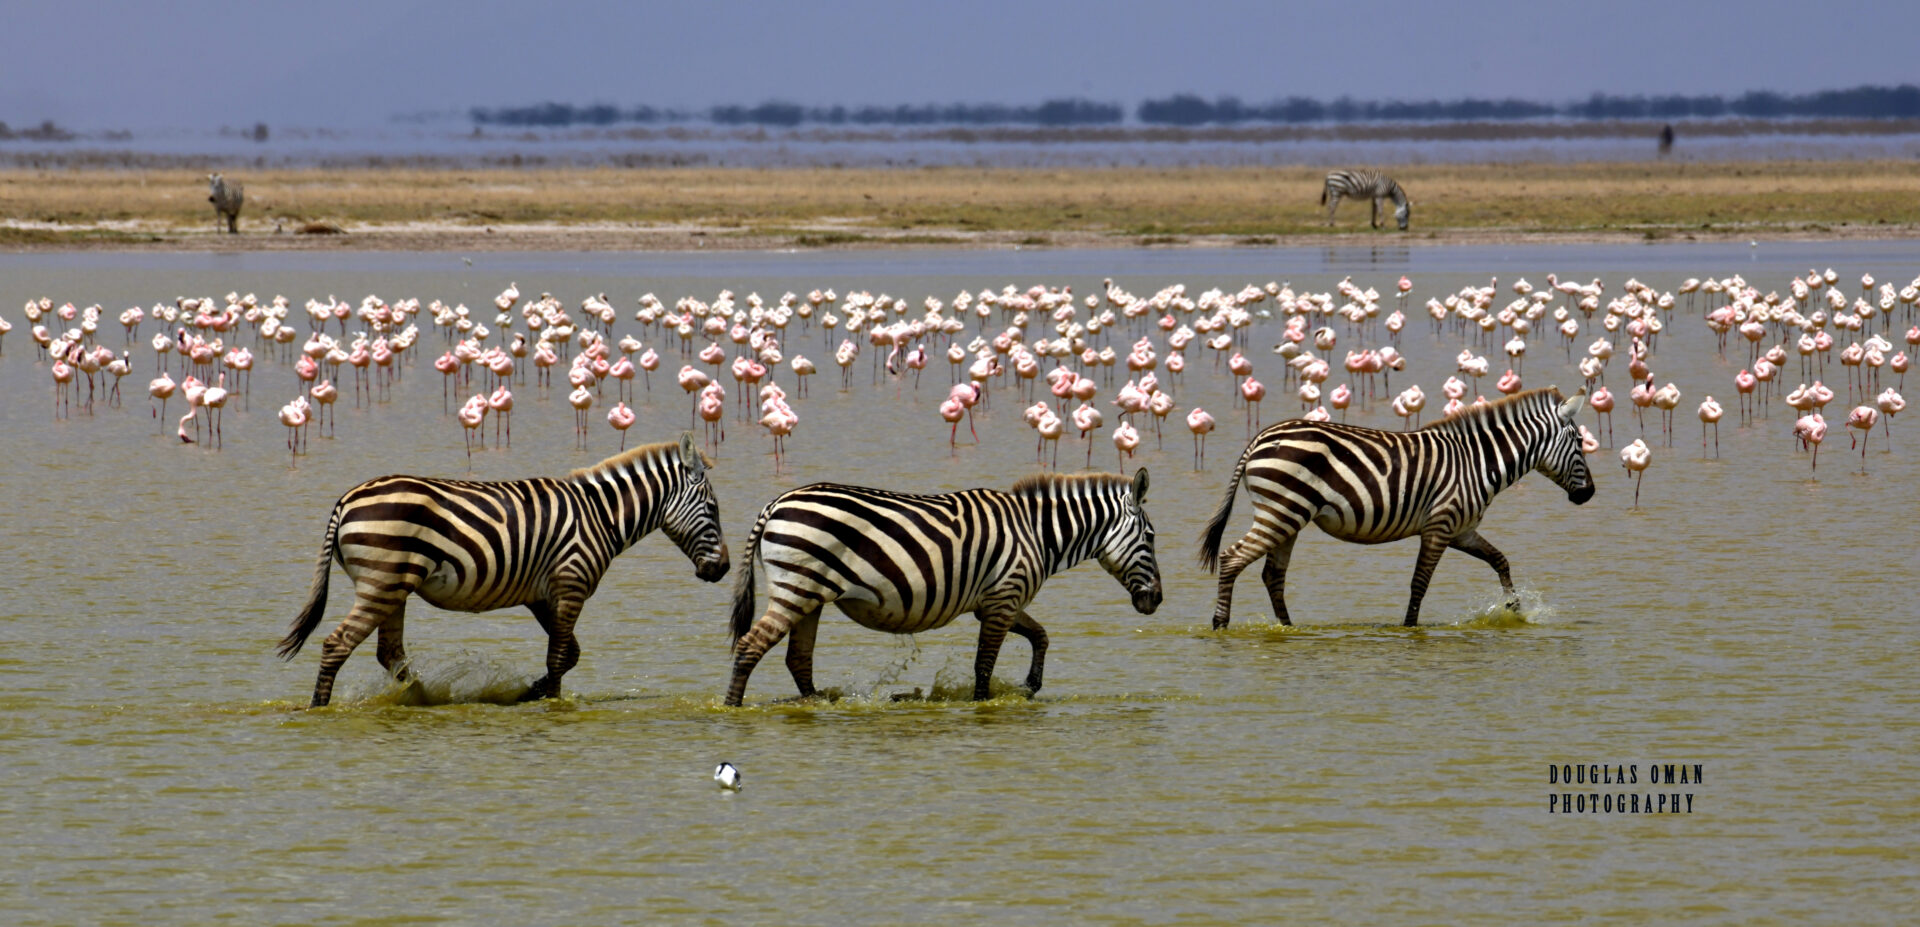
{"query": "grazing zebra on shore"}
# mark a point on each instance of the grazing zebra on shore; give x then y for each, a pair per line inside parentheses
(226, 199)
(477, 546)
(905, 563)
(1370, 486)
(1371, 185)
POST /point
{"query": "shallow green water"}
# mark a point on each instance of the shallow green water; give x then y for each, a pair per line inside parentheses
(1746, 618)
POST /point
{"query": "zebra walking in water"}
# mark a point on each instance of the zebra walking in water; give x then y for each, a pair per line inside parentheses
(226, 199)
(1371, 185)
(1370, 486)
(905, 563)
(478, 546)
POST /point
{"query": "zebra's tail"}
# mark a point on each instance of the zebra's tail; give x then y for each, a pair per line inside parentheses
(315, 609)
(742, 615)
(1323, 194)
(1217, 526)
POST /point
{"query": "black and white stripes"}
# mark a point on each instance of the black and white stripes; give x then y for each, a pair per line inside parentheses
(1366, 184)
(478, 546)
(226, 199)
(905, 563)
(1370, 486)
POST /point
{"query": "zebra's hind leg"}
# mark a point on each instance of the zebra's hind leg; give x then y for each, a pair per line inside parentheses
(1472, 544)
(368, 613)
(563, 651)
(390, 647)
(800, 653)
(1274, 577)
(754, 644)
(1243, 553)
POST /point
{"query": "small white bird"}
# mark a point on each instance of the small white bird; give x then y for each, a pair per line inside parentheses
(728, 776)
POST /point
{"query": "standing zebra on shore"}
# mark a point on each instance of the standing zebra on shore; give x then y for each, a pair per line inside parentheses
(1368, 184)
(226, 199)
(1370, 486)
(905, 563)
(478, 546)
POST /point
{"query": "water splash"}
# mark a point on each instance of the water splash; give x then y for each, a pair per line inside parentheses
(467, 679)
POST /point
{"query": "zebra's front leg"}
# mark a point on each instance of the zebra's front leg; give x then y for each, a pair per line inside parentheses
(1432, 545)
(557, 618)
(1472, 544)
(994, 624)
(1376, 212)
(1025, 626)
(1274, 576)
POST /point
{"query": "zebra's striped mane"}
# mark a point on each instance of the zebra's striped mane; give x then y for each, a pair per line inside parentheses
(1044, 483)
(1475, 414)
(624, 458)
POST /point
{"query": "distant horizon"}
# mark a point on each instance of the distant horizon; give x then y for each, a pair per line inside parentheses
(1184, 109)
(96, 65)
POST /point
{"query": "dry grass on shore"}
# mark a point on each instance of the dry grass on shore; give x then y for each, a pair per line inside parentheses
(957, 206)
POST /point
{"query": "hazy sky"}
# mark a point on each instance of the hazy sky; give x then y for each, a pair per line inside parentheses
(201, 64)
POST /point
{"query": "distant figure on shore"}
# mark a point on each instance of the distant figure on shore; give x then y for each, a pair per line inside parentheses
(1666, 140)
(1370, 184)
(226, 199)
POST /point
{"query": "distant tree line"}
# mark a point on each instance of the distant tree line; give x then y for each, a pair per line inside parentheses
(1864, 102)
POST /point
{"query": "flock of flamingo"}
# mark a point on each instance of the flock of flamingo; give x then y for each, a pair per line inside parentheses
(993, 341)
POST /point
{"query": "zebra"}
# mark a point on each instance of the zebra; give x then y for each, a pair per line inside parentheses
(478, 546)
(226, 199)
(904, 563)
(1370, 486)
(1370, 184)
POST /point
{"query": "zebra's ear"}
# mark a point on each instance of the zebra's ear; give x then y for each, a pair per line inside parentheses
(1571, 406)
(690, 458)
(1140, 486)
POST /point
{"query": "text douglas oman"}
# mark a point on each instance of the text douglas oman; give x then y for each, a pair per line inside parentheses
(1617, 801)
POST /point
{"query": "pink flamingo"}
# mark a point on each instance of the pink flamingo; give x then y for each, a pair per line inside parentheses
(968, 395)
(1509, 382)
(500, 403)
(1744, 382)
(582, 401)
(1710, 413)
(802, 369)
(325, 393)
(294, 417)
(621, 418)
(1890, 403)
(1862, 419)
(1602, 403)
(161, 388)
(1199, 422)
(951, 412)
(1252, 391)
(1811, 430)
(471, 415)
(1636, 457)
(1051, 428)
(1087, 419)
(622, 370)
(1125, 440)
(215, 399)
(1340, 399)
(712, 408)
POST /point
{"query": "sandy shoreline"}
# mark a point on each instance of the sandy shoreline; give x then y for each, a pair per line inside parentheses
(626, 237)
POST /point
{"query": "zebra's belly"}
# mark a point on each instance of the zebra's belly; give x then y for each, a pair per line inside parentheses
(443, 589)
(890, 617)
(1346, 529)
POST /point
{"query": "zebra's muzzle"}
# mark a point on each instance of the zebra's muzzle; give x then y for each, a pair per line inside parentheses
(1581, 494)
(711, 570)
(1146, 600)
